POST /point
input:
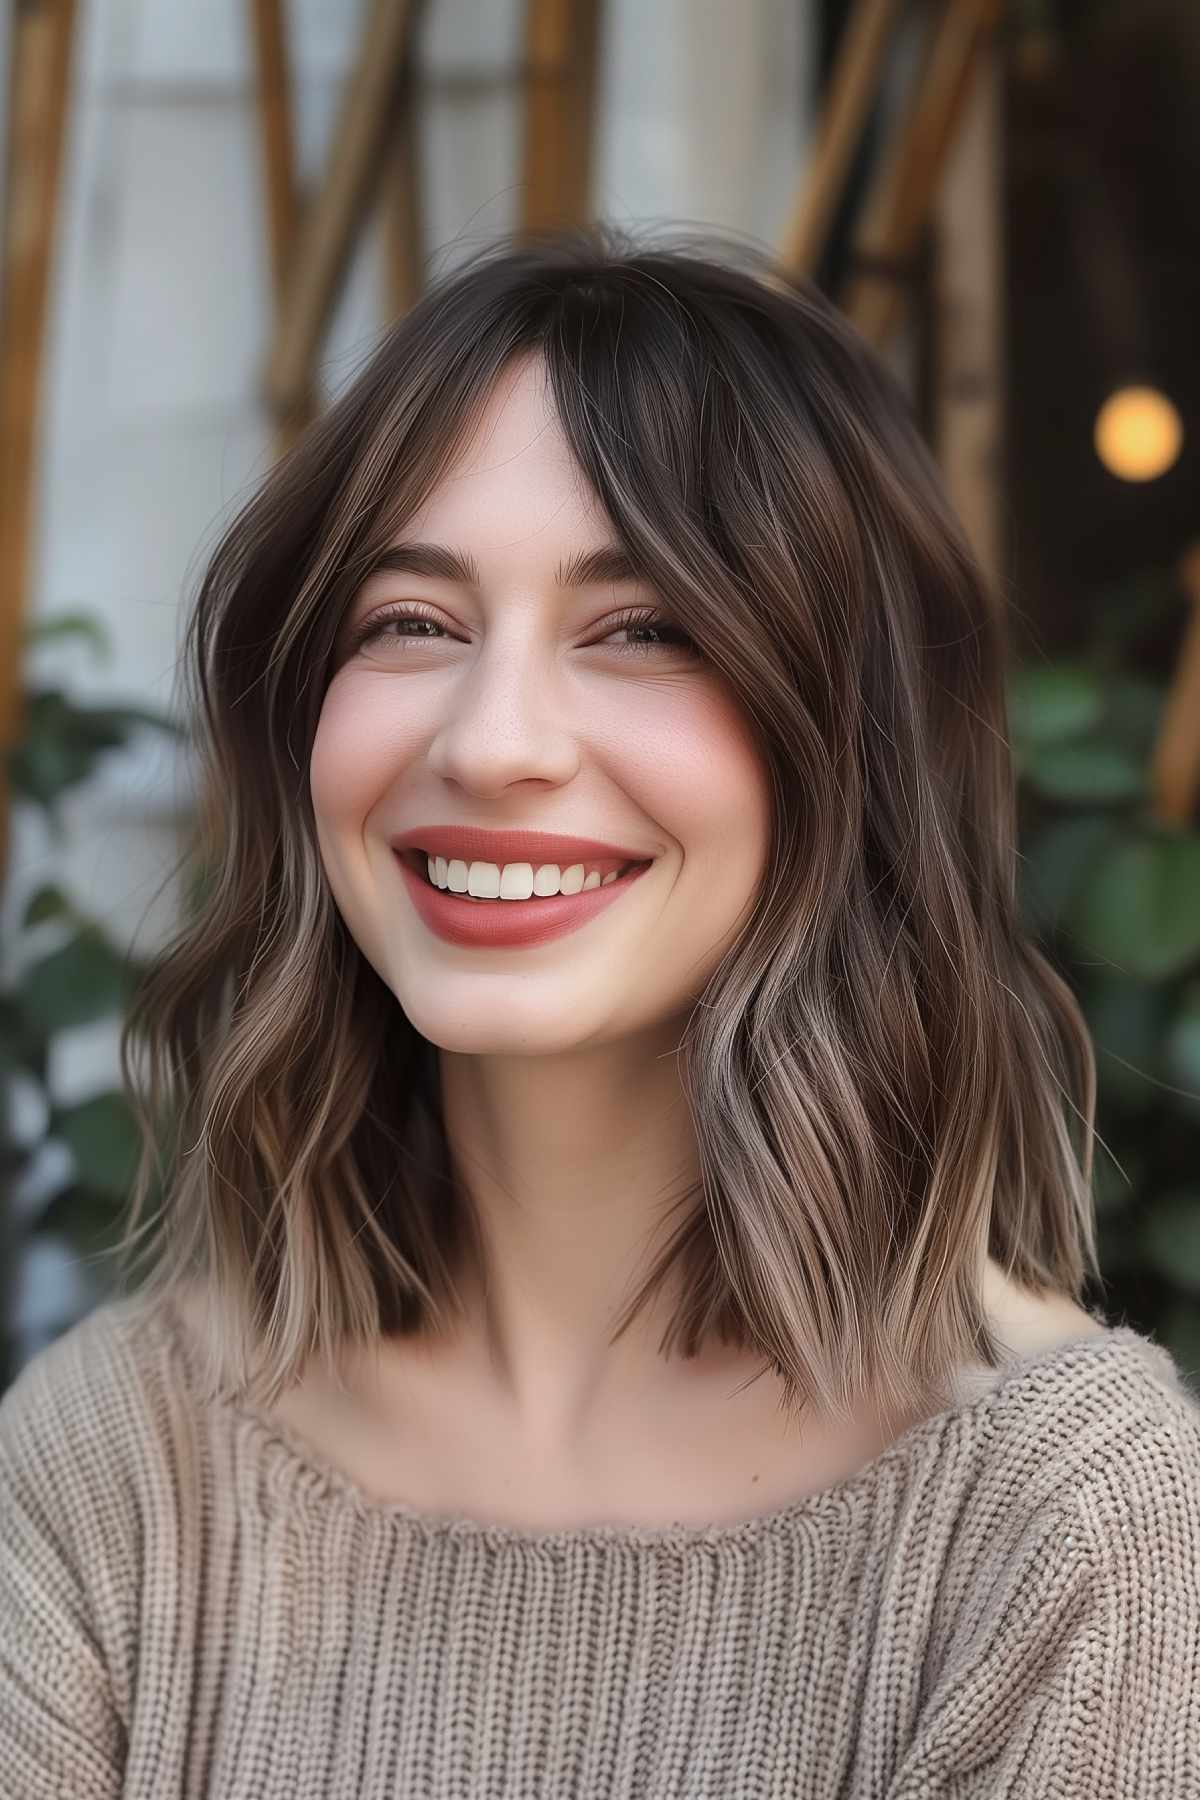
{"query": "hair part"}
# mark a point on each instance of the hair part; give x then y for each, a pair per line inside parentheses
(877, 1070)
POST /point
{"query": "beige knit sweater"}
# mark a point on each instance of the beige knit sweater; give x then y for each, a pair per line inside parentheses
(194, 1603)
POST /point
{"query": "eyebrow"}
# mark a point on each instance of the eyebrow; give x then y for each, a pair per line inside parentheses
(607, 562)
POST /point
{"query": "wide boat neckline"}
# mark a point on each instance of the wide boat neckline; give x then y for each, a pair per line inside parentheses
(320, 1480)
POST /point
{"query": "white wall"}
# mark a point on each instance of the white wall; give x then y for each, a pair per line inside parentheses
(151, 428)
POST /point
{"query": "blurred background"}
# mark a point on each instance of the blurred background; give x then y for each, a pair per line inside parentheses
(213, 211)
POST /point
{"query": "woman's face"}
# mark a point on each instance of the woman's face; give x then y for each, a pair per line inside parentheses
(521, 708)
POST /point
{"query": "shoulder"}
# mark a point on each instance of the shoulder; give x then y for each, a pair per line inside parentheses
(1040, 1471)
(1079, 1470)
(1105, 1413)
(1073, 1395)
(1068, 1606)
(84, 1466)
(79, 1422)
(1094, 1390)
(1128, 1465)
(101, 1357)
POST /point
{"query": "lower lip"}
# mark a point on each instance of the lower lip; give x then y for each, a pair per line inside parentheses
(508, 924)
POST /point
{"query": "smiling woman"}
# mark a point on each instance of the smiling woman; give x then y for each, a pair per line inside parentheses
(614, 1326)
(530, 700)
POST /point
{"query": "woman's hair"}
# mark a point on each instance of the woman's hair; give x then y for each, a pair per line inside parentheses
(883, 1073)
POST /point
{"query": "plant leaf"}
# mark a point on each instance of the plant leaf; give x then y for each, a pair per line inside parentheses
(47, 902)
(42, 767)
(1132, 711)
(102, 1136)
(1088, 771)
(86, 979)
(1057, 861)
(87, 1221)
(1182, 1045)
(1050, 704)
(1128, 1021)
(39, 631)
(1141, 908)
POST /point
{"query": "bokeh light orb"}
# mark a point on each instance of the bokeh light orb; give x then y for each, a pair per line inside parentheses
(1138, 433)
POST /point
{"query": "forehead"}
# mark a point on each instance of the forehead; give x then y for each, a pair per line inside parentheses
(515, 485)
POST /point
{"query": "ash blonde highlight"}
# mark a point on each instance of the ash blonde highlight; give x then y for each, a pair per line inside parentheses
(885, 1076)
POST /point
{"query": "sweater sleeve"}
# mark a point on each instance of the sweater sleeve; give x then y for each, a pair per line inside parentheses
(60, 1729)
(1081, 1681)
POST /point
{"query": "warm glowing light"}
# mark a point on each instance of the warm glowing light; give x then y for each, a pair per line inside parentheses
(1138, 433)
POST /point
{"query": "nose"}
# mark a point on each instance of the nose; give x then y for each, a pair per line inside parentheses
(506, 719)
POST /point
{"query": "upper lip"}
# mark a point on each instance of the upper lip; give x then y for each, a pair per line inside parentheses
(472, 844)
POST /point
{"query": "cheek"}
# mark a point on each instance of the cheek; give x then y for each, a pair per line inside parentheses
(356, 752)
(701, 775)
(353, 760)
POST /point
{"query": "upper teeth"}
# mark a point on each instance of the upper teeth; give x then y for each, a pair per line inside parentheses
(513, 881)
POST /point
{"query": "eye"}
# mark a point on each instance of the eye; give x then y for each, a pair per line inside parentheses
(658, 622)
(375, 626)
(400, 615)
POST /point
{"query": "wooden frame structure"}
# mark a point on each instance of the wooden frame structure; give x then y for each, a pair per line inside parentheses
(40, 56)
(937, 158)
(377, 122)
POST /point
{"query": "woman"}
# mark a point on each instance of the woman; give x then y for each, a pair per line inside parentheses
(615, 1325)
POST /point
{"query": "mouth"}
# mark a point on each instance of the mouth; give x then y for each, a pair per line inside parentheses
(418, 861)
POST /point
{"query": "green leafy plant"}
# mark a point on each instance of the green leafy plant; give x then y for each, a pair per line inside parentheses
(1113, 896)
(73, 975)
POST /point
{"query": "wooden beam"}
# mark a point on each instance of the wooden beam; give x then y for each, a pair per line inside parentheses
(968, 377)
(404, 213)
(40, 49)
(1175, 767)
(907, 179)
(273, 97)
(852, 89)
(561, 40)
(327, 231)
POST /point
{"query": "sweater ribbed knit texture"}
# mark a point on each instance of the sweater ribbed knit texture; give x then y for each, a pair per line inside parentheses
(193, 1602)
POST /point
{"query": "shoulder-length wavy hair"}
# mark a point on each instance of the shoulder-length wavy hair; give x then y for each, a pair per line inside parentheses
(883, 1074)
